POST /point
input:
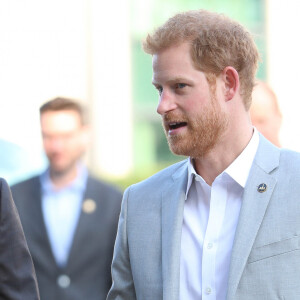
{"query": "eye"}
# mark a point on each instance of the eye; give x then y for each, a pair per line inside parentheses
(159, 89)
(180, 85)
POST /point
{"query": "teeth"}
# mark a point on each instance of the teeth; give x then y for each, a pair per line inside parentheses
(175, 125)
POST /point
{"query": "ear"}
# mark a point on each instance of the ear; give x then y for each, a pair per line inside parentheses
(231, 82)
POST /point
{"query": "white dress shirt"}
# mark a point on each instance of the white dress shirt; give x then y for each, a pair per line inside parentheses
(209, 223)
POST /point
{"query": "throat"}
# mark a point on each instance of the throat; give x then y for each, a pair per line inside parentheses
(62, 179)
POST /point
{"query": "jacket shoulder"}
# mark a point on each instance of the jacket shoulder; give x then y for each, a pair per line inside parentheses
(287, 154)
(103, 191)
(289, 160)
(28, 182)
(24, 189)
(161, 179)
(97, 184)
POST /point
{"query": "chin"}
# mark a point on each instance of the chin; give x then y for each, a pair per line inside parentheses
(180, 146)
(178, 149)
(193, 150)
(58, 169)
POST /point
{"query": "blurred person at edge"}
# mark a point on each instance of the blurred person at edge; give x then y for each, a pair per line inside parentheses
(69, 217)
(223, 223)
(17, 276)
(265, 113)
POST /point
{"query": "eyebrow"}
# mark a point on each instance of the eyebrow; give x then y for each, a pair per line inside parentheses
(175, 80)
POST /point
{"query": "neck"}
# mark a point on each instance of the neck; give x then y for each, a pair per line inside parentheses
(63, 178)
(231, 145)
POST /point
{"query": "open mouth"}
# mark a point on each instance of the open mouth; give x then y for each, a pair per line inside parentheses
(175, 125)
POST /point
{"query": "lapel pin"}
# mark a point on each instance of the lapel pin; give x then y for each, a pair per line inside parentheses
(262, 188)
(89, 206)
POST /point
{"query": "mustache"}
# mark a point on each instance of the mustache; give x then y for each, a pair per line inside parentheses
(174, 117)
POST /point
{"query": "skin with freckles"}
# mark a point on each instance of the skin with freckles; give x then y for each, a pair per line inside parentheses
(207, 122)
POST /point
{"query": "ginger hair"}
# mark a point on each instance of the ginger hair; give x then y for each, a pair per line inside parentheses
(216, 42)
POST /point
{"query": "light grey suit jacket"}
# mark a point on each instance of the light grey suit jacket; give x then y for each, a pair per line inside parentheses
(265, 262)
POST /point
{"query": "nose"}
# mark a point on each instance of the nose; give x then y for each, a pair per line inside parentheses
(166, 103)
(57, 143)
(53, 143)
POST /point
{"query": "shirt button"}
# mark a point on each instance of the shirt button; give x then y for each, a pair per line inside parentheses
(63, 281)
(208, 291)
(209, 245)
(197, 178)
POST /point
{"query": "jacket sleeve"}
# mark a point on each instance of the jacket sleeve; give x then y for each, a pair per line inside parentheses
(17, 275)
(123, 284)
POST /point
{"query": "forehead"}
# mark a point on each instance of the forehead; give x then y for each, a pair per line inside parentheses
(60, 121)
(174, 61)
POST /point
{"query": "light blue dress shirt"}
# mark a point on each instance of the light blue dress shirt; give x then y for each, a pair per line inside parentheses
(61, 210)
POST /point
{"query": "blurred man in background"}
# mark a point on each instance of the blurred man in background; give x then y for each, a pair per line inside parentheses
(69, 218)
(265, 112)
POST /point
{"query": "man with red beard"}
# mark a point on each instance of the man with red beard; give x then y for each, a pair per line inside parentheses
(224, 223)
(69, 217)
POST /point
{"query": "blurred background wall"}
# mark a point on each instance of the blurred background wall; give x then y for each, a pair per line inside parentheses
(91, 50)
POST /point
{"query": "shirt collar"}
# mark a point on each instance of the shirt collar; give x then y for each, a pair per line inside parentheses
(78, 183)
(238, 170)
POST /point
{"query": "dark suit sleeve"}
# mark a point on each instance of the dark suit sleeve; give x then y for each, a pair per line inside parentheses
(17, 275)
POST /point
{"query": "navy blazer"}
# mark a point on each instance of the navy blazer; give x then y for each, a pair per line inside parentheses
(87, 273)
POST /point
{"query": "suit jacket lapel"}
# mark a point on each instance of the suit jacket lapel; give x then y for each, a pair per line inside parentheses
(254, 205)
(172, 215)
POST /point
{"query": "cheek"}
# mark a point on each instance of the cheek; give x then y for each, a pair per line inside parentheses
(196, 101)
(190, 105)
(76, 147)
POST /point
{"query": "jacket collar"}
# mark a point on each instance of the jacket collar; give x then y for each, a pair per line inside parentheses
(257, 194)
